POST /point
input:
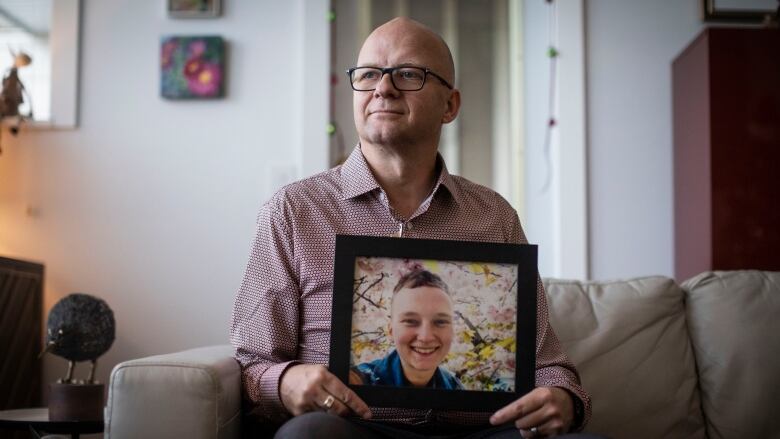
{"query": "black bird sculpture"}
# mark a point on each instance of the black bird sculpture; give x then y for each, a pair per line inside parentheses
(80, 327)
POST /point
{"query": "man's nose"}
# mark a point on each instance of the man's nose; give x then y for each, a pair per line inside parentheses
(385, 86)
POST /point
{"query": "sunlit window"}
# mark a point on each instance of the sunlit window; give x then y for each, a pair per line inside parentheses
(24, 27)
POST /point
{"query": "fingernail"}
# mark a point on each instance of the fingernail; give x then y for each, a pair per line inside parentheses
(367, 415)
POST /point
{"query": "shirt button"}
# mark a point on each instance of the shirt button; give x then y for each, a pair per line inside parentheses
(409, 226)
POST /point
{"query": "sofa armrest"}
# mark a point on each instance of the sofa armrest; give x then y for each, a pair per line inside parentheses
(193, 394)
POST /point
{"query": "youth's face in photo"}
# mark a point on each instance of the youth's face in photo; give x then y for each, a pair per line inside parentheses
(421, 328)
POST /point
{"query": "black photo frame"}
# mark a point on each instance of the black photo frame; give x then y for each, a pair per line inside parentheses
(349, 251)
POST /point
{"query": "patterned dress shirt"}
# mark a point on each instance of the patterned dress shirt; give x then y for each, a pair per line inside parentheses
(282, 312)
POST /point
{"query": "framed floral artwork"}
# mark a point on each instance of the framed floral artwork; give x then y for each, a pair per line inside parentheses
(192, 67)
(194, 8)
(433, 323)
(739, 11)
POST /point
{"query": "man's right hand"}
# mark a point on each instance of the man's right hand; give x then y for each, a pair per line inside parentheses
(306, 388)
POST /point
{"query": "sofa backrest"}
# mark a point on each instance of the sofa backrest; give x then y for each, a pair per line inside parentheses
(630, 344)
(734, 322)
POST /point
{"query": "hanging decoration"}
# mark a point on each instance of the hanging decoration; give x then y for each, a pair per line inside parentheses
(337, 149)
(552, 54)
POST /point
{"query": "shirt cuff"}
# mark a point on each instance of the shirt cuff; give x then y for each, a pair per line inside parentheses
(579, 411)
(581, 402)
(270, 403)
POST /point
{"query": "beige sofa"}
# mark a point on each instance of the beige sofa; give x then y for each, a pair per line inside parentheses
(660, 360)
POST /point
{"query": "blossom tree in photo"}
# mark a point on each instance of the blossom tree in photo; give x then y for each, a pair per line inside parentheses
(484, 297)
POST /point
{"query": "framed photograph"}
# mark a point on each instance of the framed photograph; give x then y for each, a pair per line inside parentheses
(192, 67)
(448, 325)
(738, 11)
(194, 8)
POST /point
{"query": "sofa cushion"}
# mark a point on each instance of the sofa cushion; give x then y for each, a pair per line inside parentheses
(193, 394)
(734, 320)
(630, 344)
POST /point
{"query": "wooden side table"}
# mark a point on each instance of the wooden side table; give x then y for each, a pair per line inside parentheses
(37, 421)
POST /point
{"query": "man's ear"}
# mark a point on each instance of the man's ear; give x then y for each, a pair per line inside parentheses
(453, 106)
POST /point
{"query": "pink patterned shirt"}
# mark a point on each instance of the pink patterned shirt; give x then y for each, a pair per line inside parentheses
(282, 312)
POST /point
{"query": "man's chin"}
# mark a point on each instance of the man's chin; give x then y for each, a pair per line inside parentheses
(388, 138)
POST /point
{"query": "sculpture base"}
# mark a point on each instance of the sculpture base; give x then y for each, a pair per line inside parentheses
(76, 402)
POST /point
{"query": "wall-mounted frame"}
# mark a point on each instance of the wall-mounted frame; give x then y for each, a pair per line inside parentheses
(192, 67)
(467, 333)
(54, 43)
(63, 39)
(738, 11)
(194, 8)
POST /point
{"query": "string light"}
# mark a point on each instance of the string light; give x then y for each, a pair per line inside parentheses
(552, 54)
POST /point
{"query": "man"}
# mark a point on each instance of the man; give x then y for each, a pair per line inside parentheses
(421, 315)
(393, 183)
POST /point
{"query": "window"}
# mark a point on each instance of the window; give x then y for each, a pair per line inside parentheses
(484, 144)
(24, 27)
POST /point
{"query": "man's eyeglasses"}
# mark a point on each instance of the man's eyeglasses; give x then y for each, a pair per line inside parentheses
(404, 78)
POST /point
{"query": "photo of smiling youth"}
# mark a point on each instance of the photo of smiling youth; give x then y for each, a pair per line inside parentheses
(421, 329)
(436, 324)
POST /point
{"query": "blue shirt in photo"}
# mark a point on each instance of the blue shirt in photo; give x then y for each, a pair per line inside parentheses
(388, 371)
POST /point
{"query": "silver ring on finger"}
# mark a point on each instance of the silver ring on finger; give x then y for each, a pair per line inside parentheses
(534, 431)
(328, 403)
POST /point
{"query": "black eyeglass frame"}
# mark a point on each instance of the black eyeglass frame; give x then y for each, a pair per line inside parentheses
(390, 70)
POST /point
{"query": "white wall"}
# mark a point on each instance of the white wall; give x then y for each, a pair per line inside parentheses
(150, 204)
(629, 46)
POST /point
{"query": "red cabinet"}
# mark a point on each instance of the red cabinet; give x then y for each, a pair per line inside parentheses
(726, 99)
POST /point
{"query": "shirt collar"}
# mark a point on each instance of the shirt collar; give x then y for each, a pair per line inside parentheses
(357, 178)
(446, 180)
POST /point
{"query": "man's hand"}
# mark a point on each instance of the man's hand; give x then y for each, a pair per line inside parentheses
(310, 387)
(550, 410)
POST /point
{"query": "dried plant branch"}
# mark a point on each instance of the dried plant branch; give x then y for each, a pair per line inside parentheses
(477, 339)
(365, 291)
(378, 332)
(503, 299)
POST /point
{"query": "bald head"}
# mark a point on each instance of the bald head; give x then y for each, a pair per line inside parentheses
(405, 122)
(423, 44)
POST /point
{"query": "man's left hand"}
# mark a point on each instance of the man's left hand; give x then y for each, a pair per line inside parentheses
(543, 412)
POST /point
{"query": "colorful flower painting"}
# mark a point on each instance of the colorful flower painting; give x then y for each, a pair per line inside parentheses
(484, 297)
(192, 67)
(194, 8)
